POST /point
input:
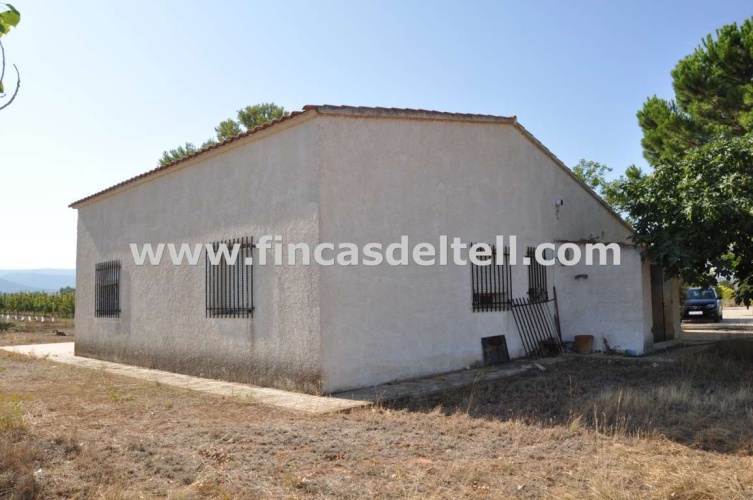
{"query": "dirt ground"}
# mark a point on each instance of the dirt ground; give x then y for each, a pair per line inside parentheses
(581, 429)
(34, 332)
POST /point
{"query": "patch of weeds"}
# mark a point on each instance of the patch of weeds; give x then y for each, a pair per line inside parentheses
(286, 477)
(212, 488)
(244, 399)
(5, 326)
(11, 413)
(611, 350)
(116, 396)
(575, 424)
(182, 495)
(17, 356)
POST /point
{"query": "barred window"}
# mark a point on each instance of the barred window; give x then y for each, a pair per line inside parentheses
(537, 288)
(492, 283)
(107, 289)
(229, 281)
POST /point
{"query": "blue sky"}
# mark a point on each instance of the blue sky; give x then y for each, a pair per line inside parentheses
(107, 86)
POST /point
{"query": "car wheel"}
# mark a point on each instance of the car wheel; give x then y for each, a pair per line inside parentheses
(717, 318)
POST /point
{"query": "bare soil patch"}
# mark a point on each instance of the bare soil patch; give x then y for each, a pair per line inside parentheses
(78, 433)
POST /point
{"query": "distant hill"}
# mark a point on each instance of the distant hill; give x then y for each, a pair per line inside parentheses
(36, 280)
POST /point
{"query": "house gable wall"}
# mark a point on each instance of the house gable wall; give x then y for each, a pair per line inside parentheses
(261, 185)
(383, 178)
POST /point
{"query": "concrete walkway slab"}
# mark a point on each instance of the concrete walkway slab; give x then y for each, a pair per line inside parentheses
(737, 324)
(436, 384)
(346, 400)
(305, 403)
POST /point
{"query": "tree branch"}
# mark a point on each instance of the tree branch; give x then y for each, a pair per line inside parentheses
(15, 93)
(2, 70)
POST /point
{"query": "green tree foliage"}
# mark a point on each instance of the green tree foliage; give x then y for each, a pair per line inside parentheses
(248, 118)
(227, 128)
(61, 304)
(713, 97)
(727, 293)
(177, 153)
(259, 114)
(594, 175)
(694, 213)
(9, 18)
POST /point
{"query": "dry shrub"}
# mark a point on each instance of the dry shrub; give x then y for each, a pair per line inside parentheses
(18, 457)
(18, 357)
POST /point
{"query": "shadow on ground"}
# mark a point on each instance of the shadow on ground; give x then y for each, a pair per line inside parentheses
(704, 401)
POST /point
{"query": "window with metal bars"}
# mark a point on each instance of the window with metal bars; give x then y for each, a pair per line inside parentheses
(537, 289)
(492, 283)
(107, 289)
(229, 282)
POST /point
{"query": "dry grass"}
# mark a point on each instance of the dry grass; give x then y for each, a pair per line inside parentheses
(582, 429)
(17, 451)
(18, 458)
(11, 413)
(33, 332)
(704, 401)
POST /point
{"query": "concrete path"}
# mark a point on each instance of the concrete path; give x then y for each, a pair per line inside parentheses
(305, 403)
(420, 387)
(737, 323)
(429, 386)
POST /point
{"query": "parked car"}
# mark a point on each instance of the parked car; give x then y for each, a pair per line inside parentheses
(703, 303)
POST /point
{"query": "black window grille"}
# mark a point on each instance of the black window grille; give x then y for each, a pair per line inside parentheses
(492, 283)
(537, 288)
(229, 283)
(107, 289)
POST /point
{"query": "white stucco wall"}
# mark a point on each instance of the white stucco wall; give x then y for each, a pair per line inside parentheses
(323, 178)
(264, 184)
(382, 178)
(607, 302)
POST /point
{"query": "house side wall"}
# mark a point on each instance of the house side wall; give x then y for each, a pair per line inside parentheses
(383, 178)
(267, 185)
(608, 302)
